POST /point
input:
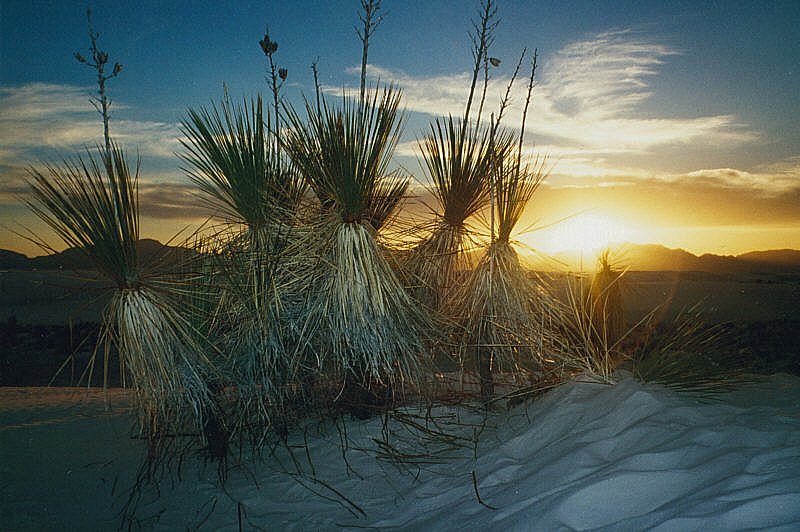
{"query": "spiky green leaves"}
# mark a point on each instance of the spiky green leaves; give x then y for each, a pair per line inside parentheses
(344, 154)
(237, 165)
(514, 186)
(93, 210)
(460, 163)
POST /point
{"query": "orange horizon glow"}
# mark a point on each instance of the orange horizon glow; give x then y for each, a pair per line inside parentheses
(587, 233)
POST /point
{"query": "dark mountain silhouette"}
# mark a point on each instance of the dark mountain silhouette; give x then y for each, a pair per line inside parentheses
(74, 259)
(777, 257)
(636, 257)
(655, 257)
(11, 260)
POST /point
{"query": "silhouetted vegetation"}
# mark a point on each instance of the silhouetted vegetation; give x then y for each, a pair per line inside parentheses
(302, 302)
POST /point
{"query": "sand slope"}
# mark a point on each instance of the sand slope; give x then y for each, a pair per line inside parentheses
(584, 456)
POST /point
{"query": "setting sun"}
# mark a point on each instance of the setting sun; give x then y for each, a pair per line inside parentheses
(587, 232)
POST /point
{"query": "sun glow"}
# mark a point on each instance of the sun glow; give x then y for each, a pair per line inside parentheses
(586, 233)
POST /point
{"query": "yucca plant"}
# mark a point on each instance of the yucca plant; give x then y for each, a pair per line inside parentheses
(593, 329)
(605, 296)
(581, 346)
(366, 326)
(93, 205)
(459, 162)
(250, 320)
(501, 308)
(458, 154)
(235, 157)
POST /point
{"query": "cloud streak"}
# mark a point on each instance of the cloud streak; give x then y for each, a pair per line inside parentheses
(39, 116)
(587, 106)
(774, 179)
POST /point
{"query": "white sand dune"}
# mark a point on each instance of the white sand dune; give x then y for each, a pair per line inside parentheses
(584, 456)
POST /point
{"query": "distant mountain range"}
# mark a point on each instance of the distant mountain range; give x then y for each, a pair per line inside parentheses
(636, 257)
(654, 257)
(74, 259)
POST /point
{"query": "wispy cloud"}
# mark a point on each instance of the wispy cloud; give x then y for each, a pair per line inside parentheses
(772, 180)
(41, 121)
(588, 97)
(603, 77)
(39, 116)
(171, 201)
(42, 101)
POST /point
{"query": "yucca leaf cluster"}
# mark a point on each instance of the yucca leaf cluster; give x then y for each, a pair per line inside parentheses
(345, 154)
(92, 209)
(237, 165)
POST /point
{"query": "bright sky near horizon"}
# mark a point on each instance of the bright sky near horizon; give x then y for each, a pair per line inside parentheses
(665, 122)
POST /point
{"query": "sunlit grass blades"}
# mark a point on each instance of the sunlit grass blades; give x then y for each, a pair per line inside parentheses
(96, 210)
(605, 296)
(593, 329)
(689, 356)
(580, 343)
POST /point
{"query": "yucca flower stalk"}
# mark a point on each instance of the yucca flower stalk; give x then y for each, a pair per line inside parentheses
(366, 326)
(93, 205)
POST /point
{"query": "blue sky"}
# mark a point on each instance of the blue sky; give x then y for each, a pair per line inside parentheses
(669, 121)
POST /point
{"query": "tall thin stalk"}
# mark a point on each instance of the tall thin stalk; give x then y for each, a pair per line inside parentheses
(370, 20)
(270, 47)
(98, 62)
(482, 39)
(315, 71)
